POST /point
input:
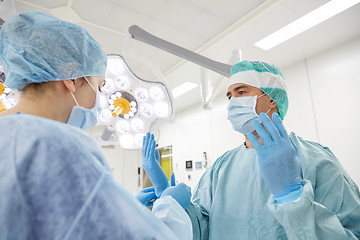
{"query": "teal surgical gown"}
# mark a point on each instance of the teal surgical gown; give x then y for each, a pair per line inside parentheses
(56, 184)
(232, 201)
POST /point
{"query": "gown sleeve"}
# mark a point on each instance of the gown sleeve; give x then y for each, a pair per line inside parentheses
(329, 206)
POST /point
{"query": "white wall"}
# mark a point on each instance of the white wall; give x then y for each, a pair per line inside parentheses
(323, 94)
(324, 105)
(125, 167)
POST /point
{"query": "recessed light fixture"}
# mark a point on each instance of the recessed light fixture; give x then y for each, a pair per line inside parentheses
(183, 88)
(307, 21)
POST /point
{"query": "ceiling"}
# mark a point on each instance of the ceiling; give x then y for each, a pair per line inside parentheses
(213, 28)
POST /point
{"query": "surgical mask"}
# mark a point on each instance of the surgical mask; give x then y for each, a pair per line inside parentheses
(82, 117)
(241, 113)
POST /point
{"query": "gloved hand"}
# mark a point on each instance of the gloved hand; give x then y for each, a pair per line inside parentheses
(181, 193)
(146, 196)
(150, 163)
(278, 159)
(172, 180)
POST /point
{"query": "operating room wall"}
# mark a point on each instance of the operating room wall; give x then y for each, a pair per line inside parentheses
(124, 165)
(324, 107)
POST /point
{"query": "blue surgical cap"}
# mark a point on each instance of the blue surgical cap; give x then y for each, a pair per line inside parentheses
(264, 76)
(36, 47)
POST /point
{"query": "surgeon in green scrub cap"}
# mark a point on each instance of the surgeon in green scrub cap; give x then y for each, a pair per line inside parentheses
(275, 185)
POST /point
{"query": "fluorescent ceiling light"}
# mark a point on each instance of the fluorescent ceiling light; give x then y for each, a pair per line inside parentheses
(307, 21)
(183, 88)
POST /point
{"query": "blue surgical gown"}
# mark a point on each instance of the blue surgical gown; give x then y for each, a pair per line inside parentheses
(231, 201)
(56, 184)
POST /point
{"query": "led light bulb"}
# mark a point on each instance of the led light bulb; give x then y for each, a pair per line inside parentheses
(127, 141)
(7, 90)
(137, 125)
(146, 110)
(103, 101)
(161, 109)
(141, 94)
(9, 103)
(115, 66)
(157, 94)
(123, 126)
(109, 85)
(139, 139)
(118, 94)
(105, 115)
(122, 82)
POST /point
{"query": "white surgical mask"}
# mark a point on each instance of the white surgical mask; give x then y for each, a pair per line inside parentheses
(82, 117)
(241, 113)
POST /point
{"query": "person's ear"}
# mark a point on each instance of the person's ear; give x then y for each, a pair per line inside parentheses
(70, 85)
(272, 104)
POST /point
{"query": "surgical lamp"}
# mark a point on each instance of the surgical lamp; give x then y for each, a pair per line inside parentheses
(8, 97)
(129, 105)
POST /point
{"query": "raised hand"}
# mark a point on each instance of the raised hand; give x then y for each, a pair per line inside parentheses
(150, 163)
(278, 159)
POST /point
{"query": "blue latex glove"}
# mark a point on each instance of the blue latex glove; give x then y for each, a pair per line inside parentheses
(278, 159)
(146, 196)
(181, 193)
(150, 163)
(172, 180)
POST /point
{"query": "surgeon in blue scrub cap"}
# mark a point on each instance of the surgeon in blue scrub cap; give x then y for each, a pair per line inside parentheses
(275, 185)
(54, 181)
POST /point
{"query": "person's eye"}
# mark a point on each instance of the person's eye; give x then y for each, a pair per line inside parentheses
(241, 92)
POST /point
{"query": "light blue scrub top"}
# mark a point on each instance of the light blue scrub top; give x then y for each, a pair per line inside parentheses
(232, 200)
(55, 184)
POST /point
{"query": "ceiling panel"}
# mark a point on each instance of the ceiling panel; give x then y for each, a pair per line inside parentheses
(93, 10)
(175, 35)
(178, 13)
(203, 4)
(48, 4)
(200, 25)
(147, 8)
(233, 10)
(344, 26)
(300, 8)
(121, 19)
(21, 7)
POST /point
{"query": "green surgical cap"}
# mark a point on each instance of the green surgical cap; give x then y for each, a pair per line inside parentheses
(36, 47)
(264, 76)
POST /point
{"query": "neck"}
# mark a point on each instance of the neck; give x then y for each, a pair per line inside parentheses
(49, 105)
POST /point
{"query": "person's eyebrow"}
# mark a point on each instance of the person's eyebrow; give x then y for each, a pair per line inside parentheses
(236, 89)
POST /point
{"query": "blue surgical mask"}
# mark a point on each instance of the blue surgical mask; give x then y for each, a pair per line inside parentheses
(241, 113)
(82, 117)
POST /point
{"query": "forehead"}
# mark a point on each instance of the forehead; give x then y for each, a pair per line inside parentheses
(98, 79)
(241, 85)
